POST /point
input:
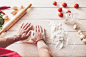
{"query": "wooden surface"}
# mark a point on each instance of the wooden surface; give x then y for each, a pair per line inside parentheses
(41, 12)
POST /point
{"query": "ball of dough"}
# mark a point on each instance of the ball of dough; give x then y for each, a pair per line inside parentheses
(84, 41)
(5, 17)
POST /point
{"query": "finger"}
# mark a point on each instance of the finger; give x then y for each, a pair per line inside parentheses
(28, 34)
(33, 33)
(36, 29)
(27, 26)
(44, 31)
(40, 29)
(22, 25)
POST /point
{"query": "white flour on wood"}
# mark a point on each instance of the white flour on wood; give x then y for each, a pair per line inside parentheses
(58, 34)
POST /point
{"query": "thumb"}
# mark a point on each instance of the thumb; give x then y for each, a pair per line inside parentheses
(33, 39)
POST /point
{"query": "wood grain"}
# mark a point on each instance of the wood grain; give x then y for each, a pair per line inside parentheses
(72, 40)
(49, 13)
(45, 24)
(31, 50)
(41, 13)
(43, 3)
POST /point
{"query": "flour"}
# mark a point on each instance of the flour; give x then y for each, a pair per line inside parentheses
(58, 35)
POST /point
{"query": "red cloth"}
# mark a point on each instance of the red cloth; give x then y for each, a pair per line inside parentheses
(8, 53)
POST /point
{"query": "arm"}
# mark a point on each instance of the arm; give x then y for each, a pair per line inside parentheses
(22, 34)
(43, 50)
(4, 42)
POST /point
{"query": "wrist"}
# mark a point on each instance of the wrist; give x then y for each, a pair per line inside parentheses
(38, 39)
(16, 38)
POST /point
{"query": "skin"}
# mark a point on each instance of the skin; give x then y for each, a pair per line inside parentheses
(23, 33)
(43, 50)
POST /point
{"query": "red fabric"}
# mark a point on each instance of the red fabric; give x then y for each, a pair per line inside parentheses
(8, 53)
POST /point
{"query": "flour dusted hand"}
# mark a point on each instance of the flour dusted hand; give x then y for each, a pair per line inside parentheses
(24, 31)
(38, 34)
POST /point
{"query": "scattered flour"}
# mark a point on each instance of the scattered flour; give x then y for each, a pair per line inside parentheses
(59, 36)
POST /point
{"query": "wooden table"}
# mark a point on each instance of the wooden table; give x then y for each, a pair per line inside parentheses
(40, 13)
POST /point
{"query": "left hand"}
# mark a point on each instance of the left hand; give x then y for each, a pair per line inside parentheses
(38, 34)
(24, 31)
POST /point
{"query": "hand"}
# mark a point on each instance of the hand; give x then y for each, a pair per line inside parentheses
(24, 31)
(38, 34)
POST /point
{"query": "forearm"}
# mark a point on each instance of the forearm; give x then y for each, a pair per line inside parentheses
(4, 42)
(22, 34)
(43, 49)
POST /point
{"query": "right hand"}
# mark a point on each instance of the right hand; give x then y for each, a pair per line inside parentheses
(38, 34)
